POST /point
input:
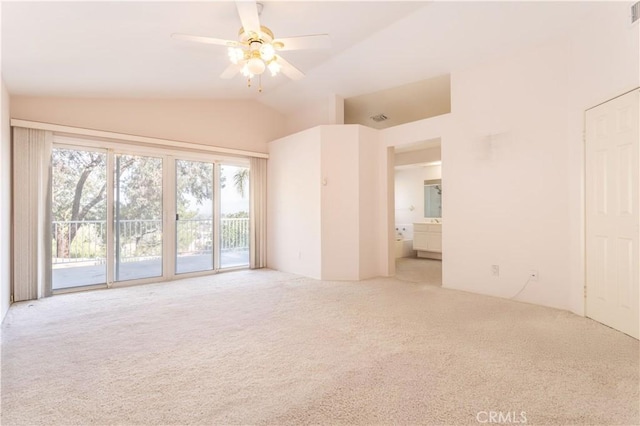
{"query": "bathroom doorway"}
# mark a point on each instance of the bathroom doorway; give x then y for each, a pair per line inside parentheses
(418, 212)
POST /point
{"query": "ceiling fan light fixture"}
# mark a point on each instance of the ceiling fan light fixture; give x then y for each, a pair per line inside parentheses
(255, 50)
(256, 66)
(267, 52)
(274, 67)
(236, 55)
(246, 72)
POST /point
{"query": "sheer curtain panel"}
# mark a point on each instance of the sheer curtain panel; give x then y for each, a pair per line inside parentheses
(258, 215)
(31, 213)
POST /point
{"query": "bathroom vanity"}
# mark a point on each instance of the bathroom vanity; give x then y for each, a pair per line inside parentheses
(427, 240)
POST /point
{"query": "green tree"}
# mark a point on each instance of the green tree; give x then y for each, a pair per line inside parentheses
(240, 179)
(79, 190)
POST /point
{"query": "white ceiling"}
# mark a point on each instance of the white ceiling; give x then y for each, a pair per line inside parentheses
(124, 49)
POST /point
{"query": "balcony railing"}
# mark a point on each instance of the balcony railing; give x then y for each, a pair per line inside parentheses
(86, 241)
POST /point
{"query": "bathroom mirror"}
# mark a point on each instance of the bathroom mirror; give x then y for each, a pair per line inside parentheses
(433, 198)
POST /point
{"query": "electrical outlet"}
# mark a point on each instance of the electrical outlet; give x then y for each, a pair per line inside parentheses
(533, 275)
(495, 270)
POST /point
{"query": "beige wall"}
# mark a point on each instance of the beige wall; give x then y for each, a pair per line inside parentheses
(329, 110)
(5, 203)
(369, 214)
(245, 125)
(323, 193)
(340, 237)
(293, 204)
(427, 155)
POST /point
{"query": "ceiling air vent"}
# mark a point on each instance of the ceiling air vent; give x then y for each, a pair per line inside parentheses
(635, 12)
(379, 117)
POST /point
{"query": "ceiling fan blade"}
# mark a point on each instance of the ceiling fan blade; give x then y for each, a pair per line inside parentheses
(231, 71)
(202, 39)
(248, 11)
(289, 70)
(315, 41)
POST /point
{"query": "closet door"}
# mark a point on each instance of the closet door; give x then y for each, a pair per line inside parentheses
(612, 219)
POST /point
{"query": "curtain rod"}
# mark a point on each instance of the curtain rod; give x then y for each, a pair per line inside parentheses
(132, 138)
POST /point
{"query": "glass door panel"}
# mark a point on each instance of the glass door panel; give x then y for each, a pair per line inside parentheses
(194, 216)
(234, 216)
(79, 218)
(138, 217)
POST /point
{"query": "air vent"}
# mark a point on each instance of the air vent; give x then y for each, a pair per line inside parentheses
(635, 12)
(378, 118)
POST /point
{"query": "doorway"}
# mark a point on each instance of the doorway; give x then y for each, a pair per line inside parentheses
(418, 212)
(612, 218)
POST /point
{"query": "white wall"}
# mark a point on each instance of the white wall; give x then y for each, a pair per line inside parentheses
(324, 178)
(409, 192)
(340, 206)
(5, 203)
(327, 110)
(369, 214)
(513, 159)
(293, 204)
(603, 62)
(246, 125)
(427, 155)
(505, 164)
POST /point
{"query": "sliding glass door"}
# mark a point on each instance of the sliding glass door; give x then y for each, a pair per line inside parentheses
(138, 217)
(194, 216)
(79, 218)
(127, 216)
(234, 216)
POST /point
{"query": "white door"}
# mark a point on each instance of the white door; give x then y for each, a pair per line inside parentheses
(612, 220)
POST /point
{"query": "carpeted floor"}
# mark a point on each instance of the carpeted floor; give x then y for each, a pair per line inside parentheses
(416, 270)
(264, 347)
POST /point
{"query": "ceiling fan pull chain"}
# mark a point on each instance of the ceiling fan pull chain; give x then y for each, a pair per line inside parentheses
(260, 83)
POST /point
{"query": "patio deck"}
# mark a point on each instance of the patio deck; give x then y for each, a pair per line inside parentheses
(76, 275)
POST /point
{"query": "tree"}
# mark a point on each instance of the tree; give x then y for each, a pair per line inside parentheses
(240, 179)
(79, 191)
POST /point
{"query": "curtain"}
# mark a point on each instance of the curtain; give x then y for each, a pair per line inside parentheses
(258, 213)
(31, 213)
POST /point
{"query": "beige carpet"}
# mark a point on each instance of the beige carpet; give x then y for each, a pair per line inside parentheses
(416, 270)
(263, 347)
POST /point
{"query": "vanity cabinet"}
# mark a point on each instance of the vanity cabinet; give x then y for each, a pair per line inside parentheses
(427, 239)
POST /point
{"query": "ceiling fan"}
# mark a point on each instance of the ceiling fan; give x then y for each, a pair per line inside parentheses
(257, 49)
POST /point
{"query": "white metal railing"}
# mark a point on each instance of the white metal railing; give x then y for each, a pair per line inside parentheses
(79, 241)
(234, 234)
(86, 241)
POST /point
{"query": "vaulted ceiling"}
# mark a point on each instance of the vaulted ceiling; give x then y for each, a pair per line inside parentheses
(124, 49)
